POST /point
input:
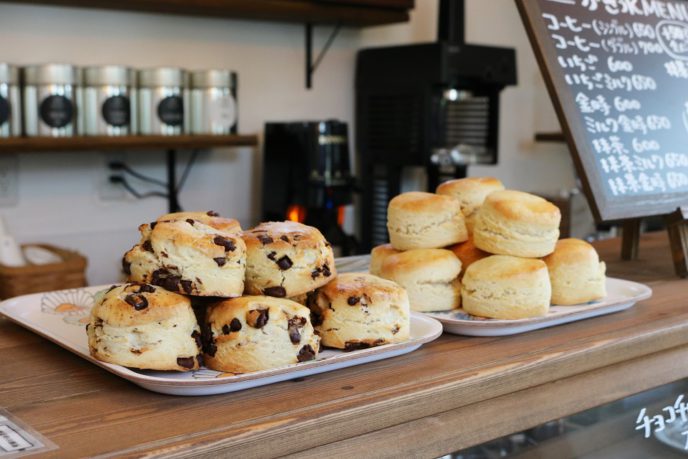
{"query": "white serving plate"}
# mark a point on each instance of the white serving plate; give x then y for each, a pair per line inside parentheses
(621, 294)
(61, 317)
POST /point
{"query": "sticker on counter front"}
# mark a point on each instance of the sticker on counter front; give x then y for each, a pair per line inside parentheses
(17, 439)
(669, 425)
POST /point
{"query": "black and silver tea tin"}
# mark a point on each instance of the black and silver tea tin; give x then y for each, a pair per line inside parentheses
(51, 100)
(110, 101)
(10, 106)
(162, 101)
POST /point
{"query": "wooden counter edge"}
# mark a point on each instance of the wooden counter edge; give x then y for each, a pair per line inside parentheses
(280, 436)
(453, 430)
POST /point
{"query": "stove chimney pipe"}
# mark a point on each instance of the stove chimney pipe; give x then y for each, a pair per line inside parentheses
(450, 22)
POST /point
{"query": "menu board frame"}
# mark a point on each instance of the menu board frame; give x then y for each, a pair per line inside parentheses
(604, 209)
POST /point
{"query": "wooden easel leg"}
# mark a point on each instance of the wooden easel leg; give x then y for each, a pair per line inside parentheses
(677, 226)
(630, 239)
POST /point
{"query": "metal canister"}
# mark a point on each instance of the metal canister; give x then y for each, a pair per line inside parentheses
(213, 102)
(10, 107)
(162, 101)
(109, 101)
(51, 100)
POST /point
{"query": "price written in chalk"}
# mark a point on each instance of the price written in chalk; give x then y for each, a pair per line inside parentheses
(649, 424)
(616, 100)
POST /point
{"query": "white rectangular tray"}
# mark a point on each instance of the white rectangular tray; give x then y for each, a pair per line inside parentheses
(621, 294)
(61, 317)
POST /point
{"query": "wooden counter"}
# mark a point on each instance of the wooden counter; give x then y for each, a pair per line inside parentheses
(453, 393)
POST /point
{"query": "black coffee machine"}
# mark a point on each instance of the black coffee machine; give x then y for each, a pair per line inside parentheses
(307, 177)
(433, 105)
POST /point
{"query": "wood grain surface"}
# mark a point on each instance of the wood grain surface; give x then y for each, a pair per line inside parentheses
(450, 394)
(144, 142)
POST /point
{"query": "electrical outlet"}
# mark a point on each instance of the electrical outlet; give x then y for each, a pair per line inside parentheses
(9, 178)
(108, 191)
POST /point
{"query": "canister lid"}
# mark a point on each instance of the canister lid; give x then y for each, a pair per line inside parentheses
(115, 75)
(162, 76)
(51, 74)
(213, 78)
(9, 74)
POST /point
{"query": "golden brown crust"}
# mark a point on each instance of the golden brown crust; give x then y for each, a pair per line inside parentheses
(417, 261)
(422, 202)
(469, 184)
(359, 310)
(209, 218)
(286, 259)
(137, 304)
(357, 286)
(378, 255)
(571, 250)
(500, 267)
(520, 206)
(468, 253)
(254, 333)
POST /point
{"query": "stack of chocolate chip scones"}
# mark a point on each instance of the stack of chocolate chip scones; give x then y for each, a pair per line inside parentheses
(250, 291)
(504, 262)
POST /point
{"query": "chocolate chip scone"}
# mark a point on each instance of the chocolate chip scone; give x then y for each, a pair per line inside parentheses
(286, 259)
(197, 254)
(146, 327)
(254, 333)
(359, 310)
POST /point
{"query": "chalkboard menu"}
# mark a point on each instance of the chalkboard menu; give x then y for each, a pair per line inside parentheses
(617, 71)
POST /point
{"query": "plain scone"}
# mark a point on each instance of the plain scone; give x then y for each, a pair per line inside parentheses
(195, 254)
(506, 287)
(517, 223)
(468, 254)
(254, 333)
(359, 310)
(418, 220)
(471, 193)
(430, 277)
(576, 273)
(286, 259)
(146, 327)
(378, 255)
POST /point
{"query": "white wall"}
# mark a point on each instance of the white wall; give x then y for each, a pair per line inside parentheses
(58, 193)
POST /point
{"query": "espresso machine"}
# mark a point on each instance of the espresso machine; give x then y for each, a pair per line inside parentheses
(429, 105)
(307, 177)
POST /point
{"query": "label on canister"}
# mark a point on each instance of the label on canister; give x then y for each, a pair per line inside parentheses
(171, 110)
(56, 111)
(222, 111)
(116, 111)
(4, 110)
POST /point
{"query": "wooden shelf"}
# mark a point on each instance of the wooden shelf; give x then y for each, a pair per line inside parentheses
(150, 142)
(353, 13)
(549, 137)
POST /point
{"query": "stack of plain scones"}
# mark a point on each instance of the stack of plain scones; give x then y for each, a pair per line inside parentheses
(265, 298)
(493, 252)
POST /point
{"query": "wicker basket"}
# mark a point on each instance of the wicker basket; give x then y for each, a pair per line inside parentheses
(70, 273)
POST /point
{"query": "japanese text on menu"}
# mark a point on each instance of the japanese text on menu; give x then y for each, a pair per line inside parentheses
(626, 62)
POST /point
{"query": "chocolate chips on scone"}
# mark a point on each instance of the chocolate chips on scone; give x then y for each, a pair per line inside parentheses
(146, 327)
(255, 333)
(286, 259)
(359, 310)
(192, 253)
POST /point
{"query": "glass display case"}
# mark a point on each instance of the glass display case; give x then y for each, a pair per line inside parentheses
(651, 424)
